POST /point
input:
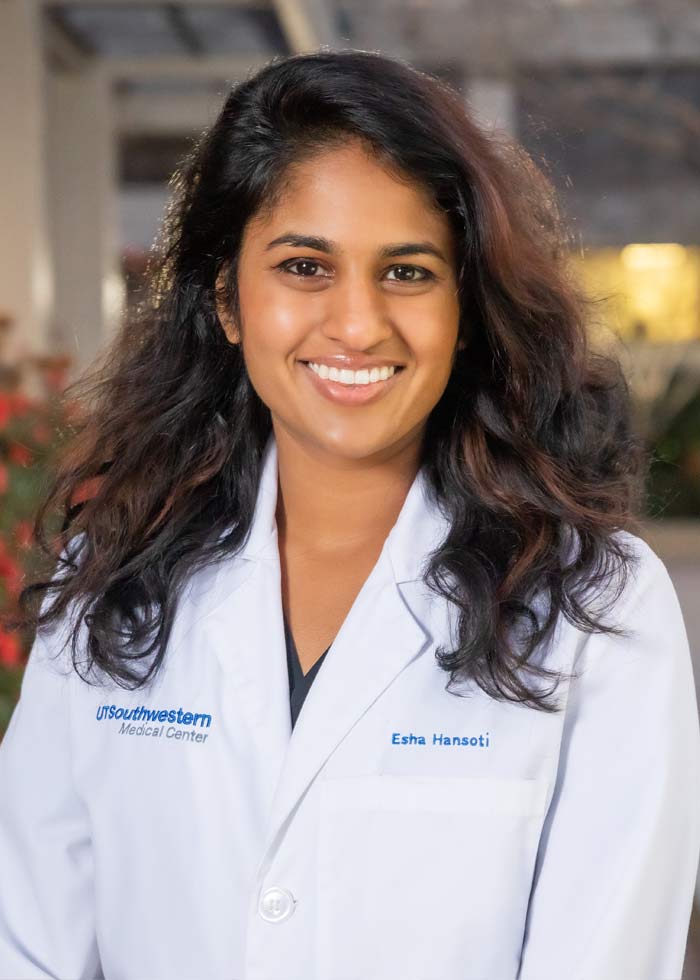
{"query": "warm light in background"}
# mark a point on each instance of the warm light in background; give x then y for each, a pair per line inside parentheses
(652, 257)
(113, 299)
(652, 290)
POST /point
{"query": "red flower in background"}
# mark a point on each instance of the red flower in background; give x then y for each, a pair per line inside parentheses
(30, 430)
(20, 454)
(10, 650)
(14, 404)
(11, 573)
(41, 433)
(5, 410)
(21, 404)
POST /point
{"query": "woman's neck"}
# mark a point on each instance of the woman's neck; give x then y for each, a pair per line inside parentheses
(331, 506)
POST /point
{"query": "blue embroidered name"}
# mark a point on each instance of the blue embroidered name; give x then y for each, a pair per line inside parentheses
(439, 738)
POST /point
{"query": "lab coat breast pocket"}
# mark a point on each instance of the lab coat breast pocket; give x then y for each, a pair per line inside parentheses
(425, 877)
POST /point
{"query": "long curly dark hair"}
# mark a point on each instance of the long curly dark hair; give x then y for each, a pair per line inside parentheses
(530, 450)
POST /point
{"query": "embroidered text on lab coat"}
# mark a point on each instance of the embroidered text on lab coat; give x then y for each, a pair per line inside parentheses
(174, 716)
(439, 738)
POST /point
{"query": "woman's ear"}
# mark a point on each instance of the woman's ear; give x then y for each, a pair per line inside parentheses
(225, 319)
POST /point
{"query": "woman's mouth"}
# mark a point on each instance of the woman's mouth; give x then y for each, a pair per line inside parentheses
(343, 393)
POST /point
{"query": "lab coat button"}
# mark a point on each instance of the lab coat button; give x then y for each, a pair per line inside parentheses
(276, 904)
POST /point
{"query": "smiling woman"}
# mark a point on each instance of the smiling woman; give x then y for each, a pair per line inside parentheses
(345, 212)
(358, 427)
(338, 300)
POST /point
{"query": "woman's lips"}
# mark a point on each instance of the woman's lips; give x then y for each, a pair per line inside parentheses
(350, 394)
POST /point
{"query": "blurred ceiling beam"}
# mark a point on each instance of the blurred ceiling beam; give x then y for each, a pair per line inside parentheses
(145, 3)
(587, 35)
(214, 68)
(489, 38)
(150, 114)
(306, 24)
(183, 30)
(62, 51)
(497, 38)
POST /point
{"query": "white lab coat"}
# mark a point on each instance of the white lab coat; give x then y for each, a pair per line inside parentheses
(546, 847)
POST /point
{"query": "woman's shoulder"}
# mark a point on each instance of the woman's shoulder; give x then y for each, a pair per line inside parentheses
(641, 603)
(646, 565)
(627, 568)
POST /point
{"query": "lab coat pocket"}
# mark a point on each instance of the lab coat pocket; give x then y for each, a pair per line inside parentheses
(424, 877)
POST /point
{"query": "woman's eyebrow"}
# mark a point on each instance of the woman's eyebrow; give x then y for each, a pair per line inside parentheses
(320, 244)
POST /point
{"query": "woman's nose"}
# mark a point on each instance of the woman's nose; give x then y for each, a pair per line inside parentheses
(357, 314)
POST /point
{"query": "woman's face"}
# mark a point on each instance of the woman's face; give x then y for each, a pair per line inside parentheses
(339, 300)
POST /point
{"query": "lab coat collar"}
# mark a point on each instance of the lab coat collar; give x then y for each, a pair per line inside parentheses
(387, 627)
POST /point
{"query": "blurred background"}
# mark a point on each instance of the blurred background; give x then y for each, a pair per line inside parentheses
(100, 100)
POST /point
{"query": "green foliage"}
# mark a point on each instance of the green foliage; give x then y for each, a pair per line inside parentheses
(10, 682)
(673, 489)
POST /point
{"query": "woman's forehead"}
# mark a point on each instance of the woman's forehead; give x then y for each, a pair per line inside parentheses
(345, 196)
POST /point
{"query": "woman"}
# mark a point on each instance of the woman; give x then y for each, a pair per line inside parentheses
(495, 771)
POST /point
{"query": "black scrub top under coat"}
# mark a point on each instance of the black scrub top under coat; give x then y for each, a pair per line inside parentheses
(299, 683)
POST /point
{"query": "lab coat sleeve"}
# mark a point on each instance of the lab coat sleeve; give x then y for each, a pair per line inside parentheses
(47, 922)
(618, 856)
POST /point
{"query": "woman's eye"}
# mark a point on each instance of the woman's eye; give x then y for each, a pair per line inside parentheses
(424, 274)
(287, 267)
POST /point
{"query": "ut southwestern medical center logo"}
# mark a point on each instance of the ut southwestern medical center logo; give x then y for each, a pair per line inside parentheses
(169, 723)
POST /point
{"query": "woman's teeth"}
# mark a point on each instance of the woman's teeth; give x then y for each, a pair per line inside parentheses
(346, 377)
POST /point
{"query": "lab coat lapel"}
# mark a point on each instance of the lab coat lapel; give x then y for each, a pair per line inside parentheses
(244, 626)
(376, 641)
(383, 632)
